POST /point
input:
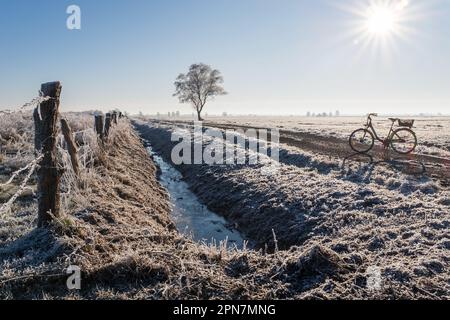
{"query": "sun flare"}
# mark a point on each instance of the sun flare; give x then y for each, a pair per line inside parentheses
(382, 20)
(381, 27)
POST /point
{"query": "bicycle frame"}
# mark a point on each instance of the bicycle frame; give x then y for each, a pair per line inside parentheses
(370, 126)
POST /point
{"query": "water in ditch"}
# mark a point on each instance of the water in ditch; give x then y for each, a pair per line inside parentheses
(192, 218)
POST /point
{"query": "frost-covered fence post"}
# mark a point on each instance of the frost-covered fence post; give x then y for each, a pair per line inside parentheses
(71, 146)
(99, 126)
(45, 122)
(114, 117)
(107, 124)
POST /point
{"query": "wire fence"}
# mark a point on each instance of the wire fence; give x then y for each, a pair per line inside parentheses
(18, 172)
(30, 167)
(32, 103)
(20, 152)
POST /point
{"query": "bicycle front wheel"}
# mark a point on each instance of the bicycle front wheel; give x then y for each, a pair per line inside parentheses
(404, 141)
(361, 141)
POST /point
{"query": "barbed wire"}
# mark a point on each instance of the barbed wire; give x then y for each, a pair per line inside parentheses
(32, 167)
(16, 173)
(32, 103)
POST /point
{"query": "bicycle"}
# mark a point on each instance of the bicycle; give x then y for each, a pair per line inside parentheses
(402, 140)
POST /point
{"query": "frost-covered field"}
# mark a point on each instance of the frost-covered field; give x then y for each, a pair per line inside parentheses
(325, 229)
(433, 133)
(374, 216)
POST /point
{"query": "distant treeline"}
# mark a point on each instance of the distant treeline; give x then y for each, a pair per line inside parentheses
(337, 113)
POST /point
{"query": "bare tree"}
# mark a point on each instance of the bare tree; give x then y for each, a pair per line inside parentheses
(198, 85)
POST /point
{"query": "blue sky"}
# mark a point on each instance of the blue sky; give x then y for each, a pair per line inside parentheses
(277, 56)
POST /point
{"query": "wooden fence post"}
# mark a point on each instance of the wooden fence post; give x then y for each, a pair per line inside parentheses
(45, 120)
(107, 124)
(71, 146)
(114, 117)
(99, 126)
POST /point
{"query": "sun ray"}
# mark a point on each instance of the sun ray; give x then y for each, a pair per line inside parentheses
(379, 27)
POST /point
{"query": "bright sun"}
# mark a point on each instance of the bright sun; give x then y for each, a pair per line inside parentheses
(381, 26)
(381, 20)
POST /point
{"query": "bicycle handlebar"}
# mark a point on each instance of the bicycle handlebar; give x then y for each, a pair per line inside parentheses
(373, 114)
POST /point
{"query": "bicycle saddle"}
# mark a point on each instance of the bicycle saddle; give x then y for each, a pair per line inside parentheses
(393, 119)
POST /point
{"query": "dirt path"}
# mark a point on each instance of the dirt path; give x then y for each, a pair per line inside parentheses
(437, 168)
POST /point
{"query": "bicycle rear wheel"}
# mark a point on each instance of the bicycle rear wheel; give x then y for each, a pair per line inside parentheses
(361, 141)
(404, 141)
